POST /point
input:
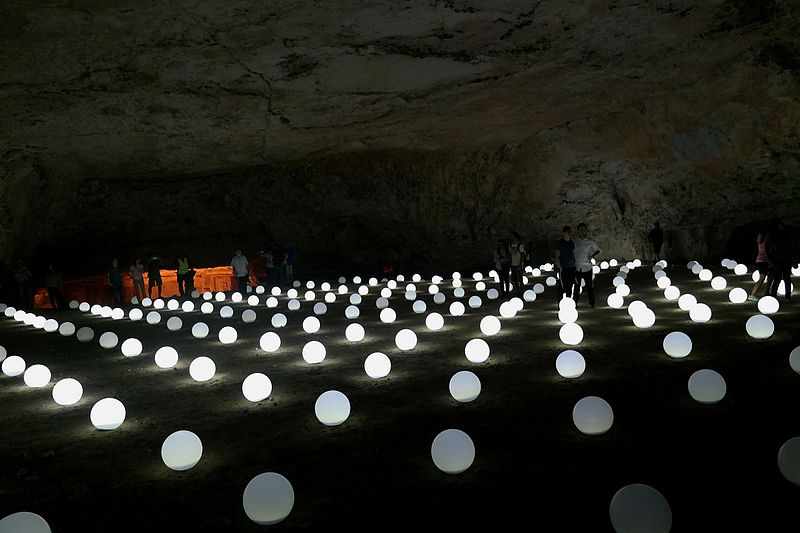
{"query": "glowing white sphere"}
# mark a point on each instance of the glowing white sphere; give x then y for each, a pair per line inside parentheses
(131, 347)
(672, 293)
(67, 391)
(278, 320)
(615, 301)
(386, 292)
(310, 284)
(644, 319)
(457, 309)
(617, 281)
(419, 307)
(202, 369)
(166, 357)
(391, 284)
(73, 304)
(355, 299)
(342, 289)
(706, 275)
(381, 303)
(182, 450)
(354, 332)
(490, 325)
(200, 330)
(85, 334)
(66, 329)
(9, 312)
(465, 386)
(508, 310)
(118, 314)
(388, 315)
(207, 308)
(109, 339)
(39, 322)
(272, 302)
(314, 352)
(568, 315)
(357, 280)
(268, 499)
(640, 508)
(226, 311)
(135, 314)
(363, 290)
(571, 334)
(153, 317)
(320, 308)
(410, 295)
(740, 269)
(158, 303)
(96, 309)
(405, 339)
(664, 282)
(700, 313)
(332, 408)
(457, 283)
(254, 300)
(439, 298)
(260, 290)
(737, 295)
(768, 305)
(718, 283)
(330, 297)
(480, 286)
(352, 312)
(174, 323)
(677, 344)
(256, 387)
(707, 386)
(37, 376)
(433, 289)
(293, 305)
(477, 351)
(207, 295)
(687, 301)
(570, 364)
(24, 522)
(84, 306)
(697, 268)
(311, 324)
(623, 290)
(459, 292)
(474, 302)
(592, 415)
(220, 296)
(107, 414)
(275, 291)
(227, 335)
(13, 366)
(377, 365)
(550, 281)
(794, 359)
(789, 460)
(249, 316)
(453, 451)
(760, 327)
(173, 304)
(373, 282)
(434, 321)
(529, 295)
(309, 296)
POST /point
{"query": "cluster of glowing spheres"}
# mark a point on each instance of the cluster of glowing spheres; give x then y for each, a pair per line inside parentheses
(131, 347)
(200, 330)
(166, 357)
(490, 325)
(107, 414)
(37, 376)
(227, 335)
(592, 415)
(24, 522)
(354, 332)
(256, 387)
(453, 451)
(202, 369)
(182, 450)
(268, 498)
(465, 386)
(640, 508)
(13, 366)
(707, 386)
(768, 305)
(377, 365)
(434, 321)
(477, 351)
(760, 327)
(570, 364)
(677, 344)
(737, 295)
(571, 334)
(405, 339)
(314, 352)
(67, 391)
(332, 408)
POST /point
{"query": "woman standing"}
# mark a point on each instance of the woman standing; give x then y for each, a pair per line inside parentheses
(762, 267)
(137, 275)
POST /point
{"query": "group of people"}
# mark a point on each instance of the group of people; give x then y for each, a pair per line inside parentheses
(510, 257)
(573, 260)
(153, 266)
(776, 255)
(278, 265)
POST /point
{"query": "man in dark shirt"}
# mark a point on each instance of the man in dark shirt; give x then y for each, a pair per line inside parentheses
(781, 255)
(656, 236)
(154, 274)
(565, 263)
(115, 280)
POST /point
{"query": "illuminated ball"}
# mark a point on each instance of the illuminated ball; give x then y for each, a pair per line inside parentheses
(226, 311)
(363, 290)
(260, 289)
(490, 325)
(166, 357)
(153, 317)
(96, 309)
(672, 293)
(718, 283)
(311, 324)
(697, 268)
(644, 319)
(480, 286)
(107, 414)
(475, 302)
(410, 295)
(760, 327)
(465, 386)
(419, 307)
(314, 352)
(352, 312)
(332, 408)
(131, 347)
(439, 298)
(200, 330)
(550, 281)
(570, 364)
(220, 296)
(707, 386)
(249, 316)
(433, 289)
(270, 341)
(173, 304)
(202, 368)
(253, 300)
(329, 298)
(687, 301)
(342, 289)
(405, 339)
(51, 325)
(174, 323)
(207, 308)
(293, 305)
(73, 304)
(382, 303)
(355, 299)
(278, 320)
(789, 460)
(310, 284)
(434, 321)
(24, 522)
(388, 315)
(459, 292)
(9, 312)
(67, 391)
(256, 387)
(794, 359)
(677, 344)
(568, 315)
(477, 351)
(13, 366)
(377, 365)
(623, 290)
(636, 307)
(640, 508)
(84, 306)
(181, 450)
(453, 451)
(207, 295)
(529, 295)
(268, 499)
(571, 334)
(357, 280)
(768, 305)
(227, 335)
(135, 314)
(592, 415)
(664, 282)
(85, 334)
(615, 300)
(700, 313)
(737, 295)
(195, 293)
(617, 281)
(109, 339)
(309, 296)
(457, 309)
(320, 308)
(3, 353)
(37, 376)
(275, 291)
(39, 322)
(272, 302)
(659, 273)
(706, 275)
(508, 310)
(66, 329)
(118, 314)
(740, 269)
(354, 332)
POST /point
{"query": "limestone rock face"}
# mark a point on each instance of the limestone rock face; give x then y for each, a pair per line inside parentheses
(394, 132)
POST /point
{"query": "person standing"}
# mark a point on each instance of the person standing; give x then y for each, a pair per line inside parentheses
(154, 266)
(269, 266)
(780, 252)
(115, 280)
(291, 255)
(137, 275)
(762, 267)
(53, 283)
(656, 236)
(502, 263)
(517, 253)
(585, 250)
(22, 275)
(241, 270)
(182, 275)
(565, 262)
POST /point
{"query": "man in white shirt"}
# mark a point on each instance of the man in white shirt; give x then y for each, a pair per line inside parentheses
(241, 271)
(585, 250)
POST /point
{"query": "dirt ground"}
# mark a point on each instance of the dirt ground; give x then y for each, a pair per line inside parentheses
(533, 470)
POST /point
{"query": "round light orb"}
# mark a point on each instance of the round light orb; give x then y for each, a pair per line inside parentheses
(570, 364)
(740, 269)
(153, 317)
(314, 352)
(174, 323)
(135, 314)
(182, 450)
(357, 280)
(84, 306)
(107, 414)
(377, 365)
(219, 296)
(372, 282)
(260, 290)
(352, 312)
(605, 264)
(320, 308)
(270, 341)
(202, 368)
(51, 325)
(66, 329)
(508, 310)
(173, 304)
(550, 281)
(760, 327)
(768, 305)
(355, 299)
(200, 330)
(474, 302)
(459, 292)
(592, 415)
(106, 311)
(700, 313)
(9, 312)
(623, 290)
(706, 275)
(405, 339)
(330, 297)
(434, 321)
(118, 314)
(195, 294)
(24, 522)
(249, 316)
(571, 334)
(311, 324)
(256, 387)
(226, 311)
(3, 353)
(636, 307)
(208, 295)
(664, 282)
(477, 351)
(457, 309)
(131, 347)
(310, 285)
(39, 322)
(659, 270)
(707, 386)
(293, 305)
(363, 290)
(410, 295)
(342, 289)
(326, 286)
(615, 300)
(419, 307)
(279, 320)
(96, 309)
(439, 298)
(158, 303)
(687, 301)
(480, 286)
(637, 263)
(207, 308)
(37, 376)
(452, 451)
(166, 357)
(529, 295)
(638, 508)
(391, 284)
(789, 460)
(465, 386)
(73, 304)
(457, 283)
(490, 325)
(617, 281)
(697, 268)
(388, 315)
(794, 359)
(227, 335)
(29, 318)
(568, 315)
(67, 391)
(677, 344)
(309, 296)
(275, 291)
(272, 302)
(433, 289)
(644, 319)
(332, 408)
(386, 292)
(13, 366)
(253, 300)
(737, 295)
(381, 303)
(268, 499)
(672, 293)
(85, 334)
(354, 332)
(109, 339)
(718, 283)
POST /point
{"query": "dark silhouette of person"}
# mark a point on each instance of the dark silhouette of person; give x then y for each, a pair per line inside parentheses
(154, 266)
(565, 262)
(53, 282)
(182, 275)
(23, 277)
(115, 280)
(656, 236)
(502, 263)
(781, 254)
